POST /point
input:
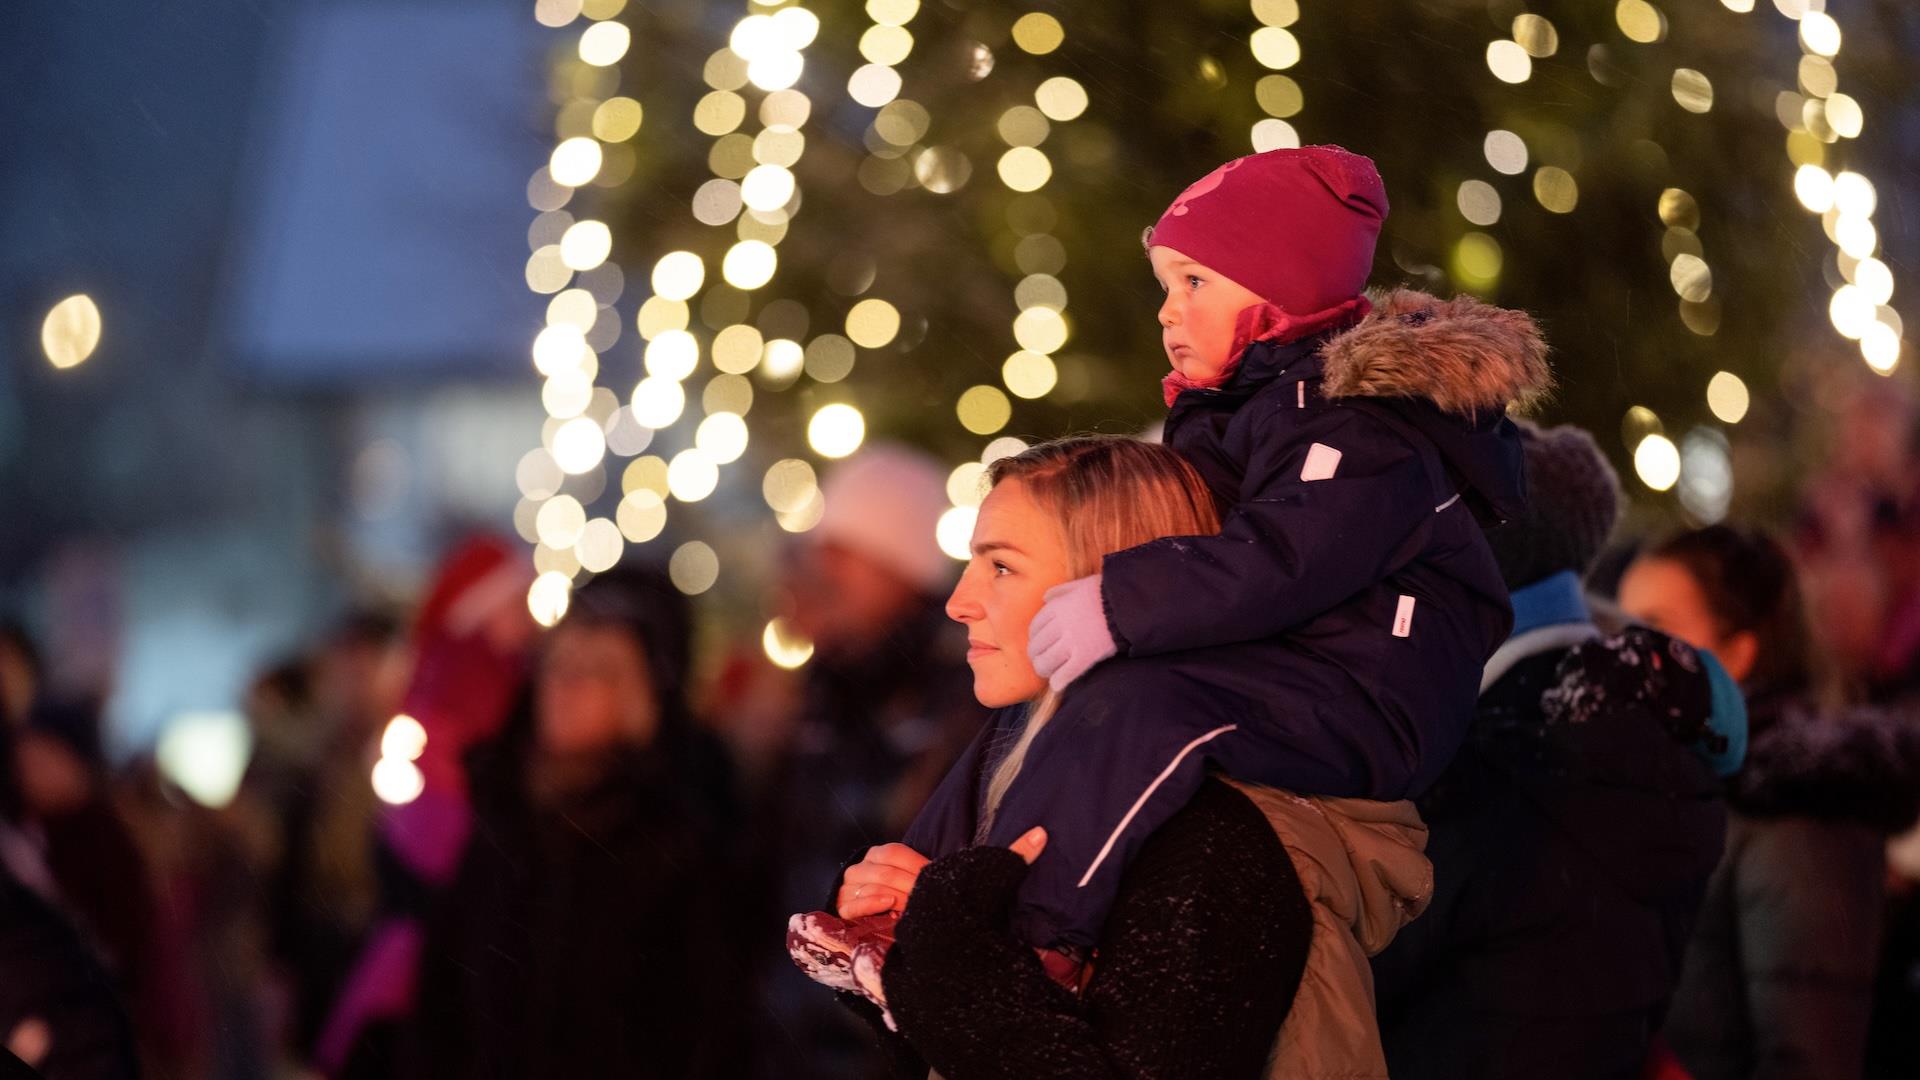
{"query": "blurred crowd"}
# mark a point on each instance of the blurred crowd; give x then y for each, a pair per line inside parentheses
(582, 857)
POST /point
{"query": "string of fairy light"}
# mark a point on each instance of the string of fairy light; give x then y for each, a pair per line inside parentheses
(1817, 116)
(754, 192)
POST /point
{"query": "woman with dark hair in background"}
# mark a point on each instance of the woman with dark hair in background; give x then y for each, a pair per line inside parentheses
(1778, 980)
(586, 930)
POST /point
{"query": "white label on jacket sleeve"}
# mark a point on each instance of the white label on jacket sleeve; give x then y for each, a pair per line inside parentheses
(1322, 460)
(1403, 618)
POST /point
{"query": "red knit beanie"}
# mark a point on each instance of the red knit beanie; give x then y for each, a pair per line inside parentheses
(1295, 226)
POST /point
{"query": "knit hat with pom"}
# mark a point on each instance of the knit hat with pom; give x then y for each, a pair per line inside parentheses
(1573, 500)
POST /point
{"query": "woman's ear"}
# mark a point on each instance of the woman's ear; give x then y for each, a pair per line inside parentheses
(1737, 653)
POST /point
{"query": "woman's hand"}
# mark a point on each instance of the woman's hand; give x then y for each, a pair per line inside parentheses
(880, 882)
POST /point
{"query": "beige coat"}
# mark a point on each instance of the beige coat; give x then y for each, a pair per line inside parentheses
(1364, 871)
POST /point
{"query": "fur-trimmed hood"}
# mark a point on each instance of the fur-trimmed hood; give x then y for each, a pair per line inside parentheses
(1859, 765)
(1463, 355)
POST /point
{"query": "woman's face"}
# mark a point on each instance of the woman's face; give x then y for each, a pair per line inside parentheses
(1019, 552)
(1663, 594)
(594, 690)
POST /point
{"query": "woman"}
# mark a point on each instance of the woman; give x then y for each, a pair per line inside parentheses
(1779, 977)
(586, 932)
(1215, 925)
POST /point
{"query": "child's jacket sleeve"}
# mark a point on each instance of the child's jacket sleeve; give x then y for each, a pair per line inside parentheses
(1332, 503)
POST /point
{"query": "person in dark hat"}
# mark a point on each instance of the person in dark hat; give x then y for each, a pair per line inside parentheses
(586, 929)
(1573, 837)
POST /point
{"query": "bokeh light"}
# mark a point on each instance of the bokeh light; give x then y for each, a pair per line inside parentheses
(1657, 462)
(789, 485)
(1040, 329)
(1727, 397)
(1509, 62)
(736, 349)
(672, 354)
(1478, 202)
(954, 531)
(617, 119)
(1506, 152)
(604, 43)
(585, 245)
(549, 596)
(692, 475)
(397, 781)
(1025, 168)
(71, 331)
(1880, 347)
(873, 323)
(693, 568)
(600, 546)
(403, 738)
(575, 161)
(874, 85)
(1819, 33)
(767, 187)
(1275, 48)
(1061, 98)
(1038, 33)
(836, 430)
(658, 402)
(722, 437)
(1274, 134)
(678, 275)
(641, 515)
(1813, 186)
(785, 645)
(749, 264)
(1030, 374)
(1556, 189)
(1643, 23)
(984, 410)
(1004, 446)
(782, 360)
(559, 348)
(967, 484)
(560, 521)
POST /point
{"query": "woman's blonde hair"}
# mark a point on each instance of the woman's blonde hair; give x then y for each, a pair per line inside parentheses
(1107, 493)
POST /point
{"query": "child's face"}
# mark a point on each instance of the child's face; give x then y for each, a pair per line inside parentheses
(1198, 317)
(1019, 553)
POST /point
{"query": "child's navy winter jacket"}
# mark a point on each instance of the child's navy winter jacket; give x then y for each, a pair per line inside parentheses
(1328, 641)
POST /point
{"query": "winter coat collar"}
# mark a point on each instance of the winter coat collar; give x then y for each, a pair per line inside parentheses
(1858, 765)
(1552, 601)
(1548, 615)
(1267, 323)
(1446, 368)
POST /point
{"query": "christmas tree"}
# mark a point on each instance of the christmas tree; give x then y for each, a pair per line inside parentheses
(922, 221)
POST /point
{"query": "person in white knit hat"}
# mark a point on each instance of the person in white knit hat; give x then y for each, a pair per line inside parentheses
(873, 557)
(886, 706)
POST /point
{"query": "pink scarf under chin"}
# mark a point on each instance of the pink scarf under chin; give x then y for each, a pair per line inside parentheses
(1267, 322)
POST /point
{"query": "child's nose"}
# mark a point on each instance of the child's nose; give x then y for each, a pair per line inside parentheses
(1169, 311)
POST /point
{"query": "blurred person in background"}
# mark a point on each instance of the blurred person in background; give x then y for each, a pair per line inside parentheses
(884, 709)
(1857, 568)
(89, 864)
(591, 927)
(1779, 976)
(324, 891)
(466, 668)
(61, 1012)
(1573, 837)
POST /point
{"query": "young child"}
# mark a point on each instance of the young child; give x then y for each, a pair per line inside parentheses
(1355, 454)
